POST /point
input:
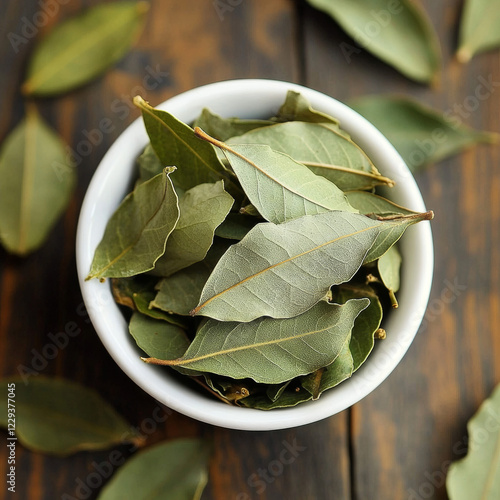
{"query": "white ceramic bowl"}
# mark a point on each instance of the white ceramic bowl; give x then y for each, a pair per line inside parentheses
(252, 99)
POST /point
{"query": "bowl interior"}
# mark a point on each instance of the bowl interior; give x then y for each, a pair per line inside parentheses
(252, 99)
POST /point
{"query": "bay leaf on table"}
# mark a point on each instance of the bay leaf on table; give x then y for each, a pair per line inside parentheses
(136, 234)
(271, 351)
(60, 417)
(421, 134)
(476, 475)
(297, 108)
(332, 375)
(402, 34)
(158, 338)
(479, 28)
(175, 144)
(202, 209)
(280, 188)
(283, 270)
(389, 268)
(37, 184)
(324, 150)
(370, 203)
(180, 293)
(367, 323)
(224, 128)
(173, 470)
(81, 48)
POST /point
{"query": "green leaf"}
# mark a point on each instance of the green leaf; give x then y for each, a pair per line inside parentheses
(224, 128)
(420, 134)
(332, 375)
(202, 209)
(297, 108)
(175, 144)
(283, 270)
(158, 338)
(176, 470)
(479, 28)
(180, 293)
(143, 304)
(274, 391)
(149, 164)
(137, 232)
(280, 188)
(37, 184)
(236, 226)
(391, 231)
(83, 47)
(367, 323)
(477, 476)
(369, 203)
(324, 150)
(388, 268)
(61, 417)
(124, 289)
(398, 33)
(287, 399)
(271, 351)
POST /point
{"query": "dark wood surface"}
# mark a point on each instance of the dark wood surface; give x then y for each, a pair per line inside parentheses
(396, 443)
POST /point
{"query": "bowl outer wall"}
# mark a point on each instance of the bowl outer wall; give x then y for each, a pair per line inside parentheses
(252, 99)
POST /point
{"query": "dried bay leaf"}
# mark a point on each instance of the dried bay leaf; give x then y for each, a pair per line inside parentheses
(175, 470)
(83, 47)
(202, 209)
(149, 164)
(61, 417)
(158, 338)
(287, 399)
(37, 184)
(479, 28)
(370, 203)
(297, 108)
(124, 289)
(283, 270)
(391, 230)
(137, 232)
(331, 375)
(175, 144)
(180, 293)
(324, 150)
(420, 134)
(280, 188)
(477, 475)
(236, 226)
(404, 37)
(367, 323)
(388, 268)
(224, 128)
(142, 303)
(271, 351)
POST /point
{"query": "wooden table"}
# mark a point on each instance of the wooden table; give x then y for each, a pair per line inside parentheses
(396, 443)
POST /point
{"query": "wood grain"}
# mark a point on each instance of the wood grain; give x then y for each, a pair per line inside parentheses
(396, 443)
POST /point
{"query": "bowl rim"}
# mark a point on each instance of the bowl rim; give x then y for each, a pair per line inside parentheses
(252, 96)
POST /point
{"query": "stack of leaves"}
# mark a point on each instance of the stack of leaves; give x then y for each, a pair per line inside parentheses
(256, 266)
